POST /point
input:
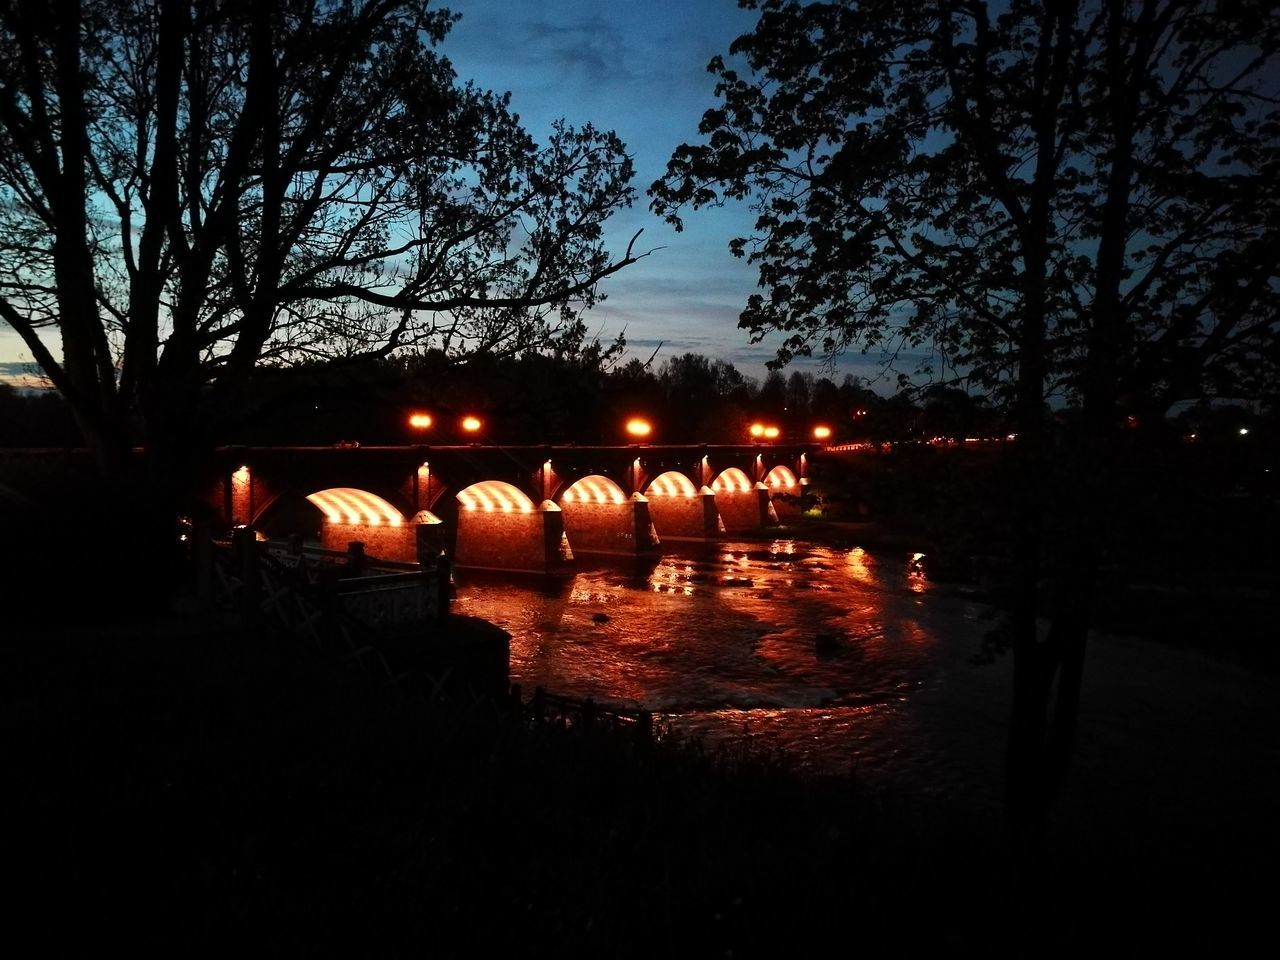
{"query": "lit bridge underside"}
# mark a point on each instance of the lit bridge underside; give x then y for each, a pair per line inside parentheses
(513, 508)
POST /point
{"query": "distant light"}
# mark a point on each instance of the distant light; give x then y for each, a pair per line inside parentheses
(471, 424)
(1244, 431)
(420, 421)
(771, 433)
(638, 427)
(821, 433)
(757, 429)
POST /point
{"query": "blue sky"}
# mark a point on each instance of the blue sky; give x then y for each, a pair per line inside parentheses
(638, 69)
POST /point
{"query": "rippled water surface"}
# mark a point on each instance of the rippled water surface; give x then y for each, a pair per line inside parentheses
(840, 658)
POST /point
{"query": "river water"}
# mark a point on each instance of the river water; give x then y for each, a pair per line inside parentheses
(846, 659)
(838, 659)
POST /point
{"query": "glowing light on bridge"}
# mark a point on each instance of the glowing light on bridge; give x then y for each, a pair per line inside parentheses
(495, 496)
(822, 433)
(732, 480)
(420, 421)
(472, 424)
(771, 433)
(781, 478)
(638, 428)
(349, 505)
(672, 484)
(595, 489)
(756, 430)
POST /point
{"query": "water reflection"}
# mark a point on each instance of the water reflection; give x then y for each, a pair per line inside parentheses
(817, 652)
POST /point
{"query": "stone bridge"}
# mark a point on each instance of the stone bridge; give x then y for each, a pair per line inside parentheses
(508, 508)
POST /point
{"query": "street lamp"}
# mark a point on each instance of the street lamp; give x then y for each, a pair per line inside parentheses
(771, 433)
(420, 421)
(638, 427)
(471, 424)
(822, 433)
(756, 430)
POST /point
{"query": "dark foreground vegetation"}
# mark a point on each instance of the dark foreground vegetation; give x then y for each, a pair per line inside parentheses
(185, 784)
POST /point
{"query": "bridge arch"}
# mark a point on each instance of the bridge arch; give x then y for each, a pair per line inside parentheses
(673, 483)
(336, 517)
(785, 490)
(494, 496)
(593, 488)
(743, 505)
(353, 505)
(680, 510)
(499, 528)
(732, 480)
(599, 518)
(781, 479)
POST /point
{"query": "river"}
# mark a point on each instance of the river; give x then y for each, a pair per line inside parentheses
(849, 659)
(836, 658)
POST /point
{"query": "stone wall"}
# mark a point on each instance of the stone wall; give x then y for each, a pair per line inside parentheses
(381, 541)
(519, 542)
(685, 518)
(611, 529)
(743, 510)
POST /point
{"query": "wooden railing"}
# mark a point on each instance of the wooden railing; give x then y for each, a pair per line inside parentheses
(311, 594)
(581, 713)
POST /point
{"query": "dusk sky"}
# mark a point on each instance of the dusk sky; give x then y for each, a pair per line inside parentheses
(638, 69)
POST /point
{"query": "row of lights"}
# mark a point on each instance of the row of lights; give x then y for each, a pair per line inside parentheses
(424, 421)
(636, 427)
(760, 431)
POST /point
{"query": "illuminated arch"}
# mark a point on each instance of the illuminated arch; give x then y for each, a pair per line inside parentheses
(594, 489)
(351, 505)
(732, 480)
(673, 483)
(494, 496)
(781, 479)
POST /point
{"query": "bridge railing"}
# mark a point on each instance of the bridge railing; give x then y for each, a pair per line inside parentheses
(378, 592)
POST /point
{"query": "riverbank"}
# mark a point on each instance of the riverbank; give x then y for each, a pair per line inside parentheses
(1186, 562)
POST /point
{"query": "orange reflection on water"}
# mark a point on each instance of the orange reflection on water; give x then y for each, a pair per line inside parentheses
(859, 563)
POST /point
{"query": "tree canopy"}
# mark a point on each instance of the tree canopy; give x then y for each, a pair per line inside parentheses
(189, 190)
(946, 172)
(1076, 197)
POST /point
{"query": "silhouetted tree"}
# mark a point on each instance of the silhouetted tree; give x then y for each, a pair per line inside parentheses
(1070, 196)
(191, 189)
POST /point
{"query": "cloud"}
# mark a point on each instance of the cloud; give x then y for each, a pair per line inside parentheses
(23, 375)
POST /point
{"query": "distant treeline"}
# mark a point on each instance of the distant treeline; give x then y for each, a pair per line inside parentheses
(547, 399)
(582, 399)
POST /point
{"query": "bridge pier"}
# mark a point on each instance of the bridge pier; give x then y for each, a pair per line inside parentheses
(744, 510)
(691, 516)
(516, 541)
(610, 528)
